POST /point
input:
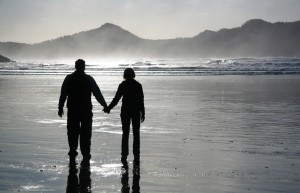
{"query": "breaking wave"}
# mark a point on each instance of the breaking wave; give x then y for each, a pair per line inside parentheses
(180, 67)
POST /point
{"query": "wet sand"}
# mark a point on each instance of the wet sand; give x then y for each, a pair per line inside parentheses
(201, 134)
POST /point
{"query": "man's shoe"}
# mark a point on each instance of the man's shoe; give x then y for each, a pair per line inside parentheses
(124, 162)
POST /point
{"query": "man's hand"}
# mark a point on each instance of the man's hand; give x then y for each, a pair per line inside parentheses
(60, 112)
(142, 118)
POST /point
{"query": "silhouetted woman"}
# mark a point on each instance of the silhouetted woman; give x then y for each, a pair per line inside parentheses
(132, 110)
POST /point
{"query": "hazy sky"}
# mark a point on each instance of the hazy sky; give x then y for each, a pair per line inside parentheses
(32, 21)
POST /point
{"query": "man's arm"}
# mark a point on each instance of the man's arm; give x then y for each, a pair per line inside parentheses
(63, 96)
(97, 93)
(142, 104)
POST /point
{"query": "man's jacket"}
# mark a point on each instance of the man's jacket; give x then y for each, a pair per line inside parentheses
(77, 88)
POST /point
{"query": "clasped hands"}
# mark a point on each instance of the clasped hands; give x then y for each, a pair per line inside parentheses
(107, 109)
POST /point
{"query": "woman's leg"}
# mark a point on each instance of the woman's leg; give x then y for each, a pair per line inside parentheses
(136, 122)
(125, 118)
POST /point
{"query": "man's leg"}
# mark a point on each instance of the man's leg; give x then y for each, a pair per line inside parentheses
(125, 118)
(136, 122)
(85, 137)
(73, 134)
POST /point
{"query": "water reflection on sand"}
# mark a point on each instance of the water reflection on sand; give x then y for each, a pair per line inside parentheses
(201, 134)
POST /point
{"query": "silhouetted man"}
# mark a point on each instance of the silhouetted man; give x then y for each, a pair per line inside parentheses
(132, 110)
(78, 87)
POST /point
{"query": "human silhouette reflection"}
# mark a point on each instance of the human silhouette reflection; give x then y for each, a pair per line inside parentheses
(81, 184)
(135, 179)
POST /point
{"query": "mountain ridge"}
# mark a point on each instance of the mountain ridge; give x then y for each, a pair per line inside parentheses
(255, 37)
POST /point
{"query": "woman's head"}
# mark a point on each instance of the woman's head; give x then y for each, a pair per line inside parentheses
(129, 73)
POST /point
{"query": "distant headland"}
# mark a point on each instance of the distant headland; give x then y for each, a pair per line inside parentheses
(5, 59)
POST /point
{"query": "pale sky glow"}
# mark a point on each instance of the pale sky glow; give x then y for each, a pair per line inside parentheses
(33, 21)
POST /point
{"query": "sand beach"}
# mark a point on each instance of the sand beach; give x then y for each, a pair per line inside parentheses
(234, 133)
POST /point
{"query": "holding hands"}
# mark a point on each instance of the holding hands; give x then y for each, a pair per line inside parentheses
(107, 109)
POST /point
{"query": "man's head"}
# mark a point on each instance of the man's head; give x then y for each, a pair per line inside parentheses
(128, 73)
(80, 65)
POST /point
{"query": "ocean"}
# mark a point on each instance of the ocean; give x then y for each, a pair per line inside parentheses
(212, 125)
(165, 67)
